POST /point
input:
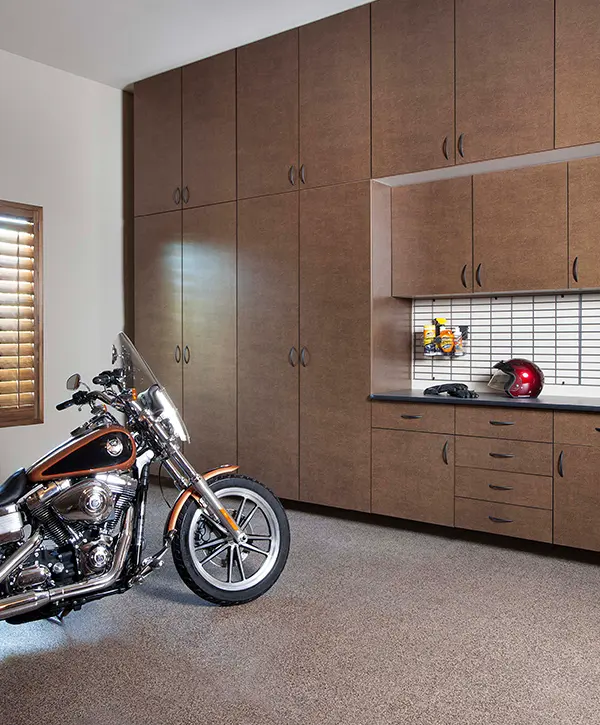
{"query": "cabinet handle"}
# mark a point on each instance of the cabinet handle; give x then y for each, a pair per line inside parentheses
(502, 422)
(445, 453)
(598, 429)
(293, 357)
(186, 354)
(303, 174)
(177, 354)
(185, 194)
(292, 175)
(304, 357)
(478, 274)
(576, 269)
(461, 145)
(445, 148)
(177, 196)
(502, 455)
(406, 416)
(497, 520)
(494, 487)
(561, 470)
(463, 276)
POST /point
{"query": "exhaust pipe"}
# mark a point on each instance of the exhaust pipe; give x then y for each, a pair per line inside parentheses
(20, 554)
(30, 601)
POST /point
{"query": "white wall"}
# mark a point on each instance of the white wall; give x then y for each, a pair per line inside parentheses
(61, 148)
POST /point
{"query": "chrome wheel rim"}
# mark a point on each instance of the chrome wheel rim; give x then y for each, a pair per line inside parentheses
(221, 561)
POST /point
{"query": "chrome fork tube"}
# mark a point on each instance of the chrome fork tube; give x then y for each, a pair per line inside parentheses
(179, 466)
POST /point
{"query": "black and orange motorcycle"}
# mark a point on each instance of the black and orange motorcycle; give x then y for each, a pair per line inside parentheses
(72, 525)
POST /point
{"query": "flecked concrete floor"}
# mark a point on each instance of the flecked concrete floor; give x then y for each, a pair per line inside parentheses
(369, 624)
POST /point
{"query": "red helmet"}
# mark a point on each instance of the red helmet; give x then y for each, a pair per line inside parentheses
(518, 378)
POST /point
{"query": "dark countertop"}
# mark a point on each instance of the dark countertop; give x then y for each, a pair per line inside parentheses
(544, 402)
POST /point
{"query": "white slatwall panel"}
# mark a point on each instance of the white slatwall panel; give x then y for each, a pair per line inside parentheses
(561, 333)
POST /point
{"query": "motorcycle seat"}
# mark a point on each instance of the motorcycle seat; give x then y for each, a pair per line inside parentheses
(13, 488)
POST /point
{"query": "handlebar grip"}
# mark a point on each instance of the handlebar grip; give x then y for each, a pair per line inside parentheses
(65, 404)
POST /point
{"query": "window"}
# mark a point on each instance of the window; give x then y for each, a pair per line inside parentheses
(21, 391)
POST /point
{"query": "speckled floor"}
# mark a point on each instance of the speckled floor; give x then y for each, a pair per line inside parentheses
(369, 624)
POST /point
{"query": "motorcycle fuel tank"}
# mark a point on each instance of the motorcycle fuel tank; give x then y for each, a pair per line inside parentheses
(98, 451)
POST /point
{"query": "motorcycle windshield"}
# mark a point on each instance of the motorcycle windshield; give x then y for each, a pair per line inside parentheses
(150, 393)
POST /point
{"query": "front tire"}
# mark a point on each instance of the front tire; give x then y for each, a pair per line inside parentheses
(212, 565)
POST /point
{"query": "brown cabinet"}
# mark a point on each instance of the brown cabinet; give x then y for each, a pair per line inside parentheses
(519, 489)
(157, 293)
(413, 85)
(577, 72)
(580, 429)
(432, 242)
(335, 99)
(584, 233)
(267, 108)
(503, 455)
(507, 423)
(335, 297)
(577, 497)
(520, 229)
(157, 143)
(268, 349)
(209, 131)
(209, 334)
(413, 476)
(504, 78)
(504, 519)
(433, 418)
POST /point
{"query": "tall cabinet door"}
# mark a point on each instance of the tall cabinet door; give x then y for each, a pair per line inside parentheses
(209, 334)
(209, 165)
(268, 361)
(413, 118)
(520, 229)
(335, 293)
(335, 99)
(504, 78)
(432, 240)
(584, 213)
(267, 107)
(157, 143)
(577, 72)
(157, 285)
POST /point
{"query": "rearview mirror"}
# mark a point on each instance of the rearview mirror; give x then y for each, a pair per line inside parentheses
(74, 382)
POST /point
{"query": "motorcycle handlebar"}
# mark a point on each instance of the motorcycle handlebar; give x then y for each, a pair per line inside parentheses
(79, 398)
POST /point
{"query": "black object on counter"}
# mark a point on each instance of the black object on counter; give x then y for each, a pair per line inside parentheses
(454, 390)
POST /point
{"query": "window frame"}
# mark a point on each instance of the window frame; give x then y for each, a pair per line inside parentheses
(33, 415)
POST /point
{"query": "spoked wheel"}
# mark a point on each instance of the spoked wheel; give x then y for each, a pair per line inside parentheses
(217, 568)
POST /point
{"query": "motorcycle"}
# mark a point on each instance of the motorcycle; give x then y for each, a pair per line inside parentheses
(72, 525)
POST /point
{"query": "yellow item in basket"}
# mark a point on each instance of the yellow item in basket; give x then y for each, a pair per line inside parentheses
(447, 341)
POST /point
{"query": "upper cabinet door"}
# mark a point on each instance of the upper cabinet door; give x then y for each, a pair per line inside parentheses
(267, 107)
(577, 72)
(157, 143)
(520, 229)
(209, 334)
(432, 238)
(413, 85)
(335, 339)
(335, 99)
(504, 78)
(209, 131)
(584, 213)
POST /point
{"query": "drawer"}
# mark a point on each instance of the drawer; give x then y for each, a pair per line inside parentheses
(520, 489)
(578, 429)
(502, 455)
(504, 519)
(433, 418)
(519, 425)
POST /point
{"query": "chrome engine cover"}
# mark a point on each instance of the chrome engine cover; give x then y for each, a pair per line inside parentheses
(89, 500)
(11, 524)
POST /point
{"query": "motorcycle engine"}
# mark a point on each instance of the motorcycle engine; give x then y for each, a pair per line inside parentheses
(83, 517)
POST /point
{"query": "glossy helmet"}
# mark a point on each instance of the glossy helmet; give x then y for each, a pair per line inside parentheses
(518, 378)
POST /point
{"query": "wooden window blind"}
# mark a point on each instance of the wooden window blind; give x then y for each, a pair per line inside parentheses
(21, 393)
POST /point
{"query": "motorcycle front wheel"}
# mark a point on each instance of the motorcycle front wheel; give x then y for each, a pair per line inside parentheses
(216, 568)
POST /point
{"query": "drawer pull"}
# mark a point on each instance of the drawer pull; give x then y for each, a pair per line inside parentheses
(561, 470)
(445, 453)
(499, 488)
(496, 520)
(406, 416)
(501, 422)
(502, 455)
(598, 429)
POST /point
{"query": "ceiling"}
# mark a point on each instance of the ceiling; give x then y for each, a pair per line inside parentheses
(117, 42)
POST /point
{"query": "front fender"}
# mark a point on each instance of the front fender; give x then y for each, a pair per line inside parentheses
(190, 491)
